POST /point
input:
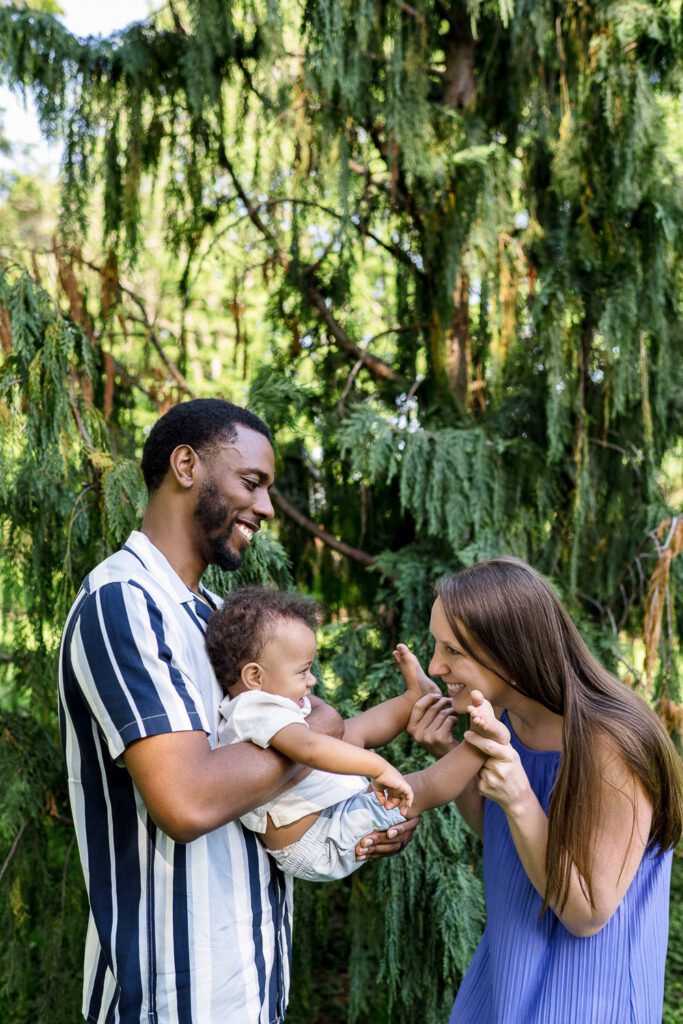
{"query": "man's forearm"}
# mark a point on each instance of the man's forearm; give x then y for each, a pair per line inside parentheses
(190, 789)
(325, 719)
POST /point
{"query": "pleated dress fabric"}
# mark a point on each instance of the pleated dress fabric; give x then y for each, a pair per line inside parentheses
(531, 970)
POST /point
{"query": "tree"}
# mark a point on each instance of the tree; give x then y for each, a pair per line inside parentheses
(462, 229)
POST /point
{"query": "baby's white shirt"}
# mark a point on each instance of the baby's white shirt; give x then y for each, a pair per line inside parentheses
(258, 716)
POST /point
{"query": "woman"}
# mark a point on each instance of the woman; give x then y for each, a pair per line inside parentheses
(578, 813)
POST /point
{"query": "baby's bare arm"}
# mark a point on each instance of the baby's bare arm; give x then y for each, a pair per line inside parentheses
(332, 755)
(449, 778)
(384, 722)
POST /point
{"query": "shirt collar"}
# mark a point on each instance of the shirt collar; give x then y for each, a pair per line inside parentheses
(160, 568)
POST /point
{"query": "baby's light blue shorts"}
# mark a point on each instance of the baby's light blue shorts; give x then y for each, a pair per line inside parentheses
(328, 850)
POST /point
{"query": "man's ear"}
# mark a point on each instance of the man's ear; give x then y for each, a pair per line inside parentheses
(184, 464)
(252, 676)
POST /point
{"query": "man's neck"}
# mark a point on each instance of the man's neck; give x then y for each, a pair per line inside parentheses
(173, 541)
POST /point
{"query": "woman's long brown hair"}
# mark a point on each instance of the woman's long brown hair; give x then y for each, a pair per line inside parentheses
(523, 634)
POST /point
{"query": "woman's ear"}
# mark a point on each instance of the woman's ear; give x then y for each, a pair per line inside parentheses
(252, 676)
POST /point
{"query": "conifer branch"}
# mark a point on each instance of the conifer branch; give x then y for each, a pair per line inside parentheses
(150, 333)
(400, 190)
(144, 321)
(377, 366)
(618, 448)
(53, 812)
(177, 21)
(78, 419)
(168, 363)
(13, 849)
(286, 506)
(409, 9)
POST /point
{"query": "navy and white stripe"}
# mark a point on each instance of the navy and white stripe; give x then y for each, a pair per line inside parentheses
(178, 934)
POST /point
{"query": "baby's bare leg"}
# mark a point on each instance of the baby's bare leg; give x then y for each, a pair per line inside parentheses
(483, 719)
(414, 676)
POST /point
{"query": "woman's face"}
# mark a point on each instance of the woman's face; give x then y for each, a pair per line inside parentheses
(459, 671)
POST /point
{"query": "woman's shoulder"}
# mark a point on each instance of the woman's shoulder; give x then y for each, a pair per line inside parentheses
(612, 763)
(622, 789)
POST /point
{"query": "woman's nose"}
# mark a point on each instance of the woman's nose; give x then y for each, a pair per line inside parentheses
(435, 667)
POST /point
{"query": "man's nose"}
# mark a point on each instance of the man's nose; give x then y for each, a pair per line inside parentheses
(263, 506)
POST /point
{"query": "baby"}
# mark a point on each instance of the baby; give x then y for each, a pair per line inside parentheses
(262, 644)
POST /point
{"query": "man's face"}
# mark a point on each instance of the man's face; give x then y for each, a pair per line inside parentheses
(233, 500)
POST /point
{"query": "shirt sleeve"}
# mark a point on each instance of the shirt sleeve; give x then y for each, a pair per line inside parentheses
(258, 716)
(123, 664)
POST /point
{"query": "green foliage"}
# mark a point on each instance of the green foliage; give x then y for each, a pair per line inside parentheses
(673, 986)
(449, 240)
(44, 907)
(265, 564)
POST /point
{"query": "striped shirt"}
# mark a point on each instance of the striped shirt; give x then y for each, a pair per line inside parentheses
(178, 934)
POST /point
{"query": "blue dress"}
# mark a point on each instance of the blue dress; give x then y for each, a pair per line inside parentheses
(530, 970)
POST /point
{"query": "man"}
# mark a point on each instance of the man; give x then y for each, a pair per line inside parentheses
(190, 922)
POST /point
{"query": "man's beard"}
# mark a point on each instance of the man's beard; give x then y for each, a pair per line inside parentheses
(213, 515)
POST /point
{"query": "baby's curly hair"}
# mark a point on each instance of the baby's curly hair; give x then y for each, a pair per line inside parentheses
(239, 630)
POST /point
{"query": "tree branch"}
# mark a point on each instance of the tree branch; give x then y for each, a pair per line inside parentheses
(377, 366)
(286, 506)
(13, 849)
(372, 363)
(145, 322)
(168, 363)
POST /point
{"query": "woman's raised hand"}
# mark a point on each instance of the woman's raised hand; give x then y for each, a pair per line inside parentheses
(432, 718)
(502, 778)
(431, 724)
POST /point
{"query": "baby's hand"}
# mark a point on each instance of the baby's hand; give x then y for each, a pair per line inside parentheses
(483, 719)
(416, 679)
(398, 792)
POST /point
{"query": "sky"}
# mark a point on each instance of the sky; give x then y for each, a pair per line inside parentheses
(82, 17)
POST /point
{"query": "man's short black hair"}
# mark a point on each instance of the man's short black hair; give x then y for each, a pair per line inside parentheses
(247, 620)
(201, 423)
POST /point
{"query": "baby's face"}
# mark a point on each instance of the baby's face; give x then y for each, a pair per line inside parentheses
(286, 661)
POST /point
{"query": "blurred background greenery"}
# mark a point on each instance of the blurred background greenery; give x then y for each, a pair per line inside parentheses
(438, 247)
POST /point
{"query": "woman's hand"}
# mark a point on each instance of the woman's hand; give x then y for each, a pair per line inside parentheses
(431, 724)
(502, 778)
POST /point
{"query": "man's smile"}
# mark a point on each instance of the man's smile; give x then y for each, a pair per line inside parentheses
(246, 529)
